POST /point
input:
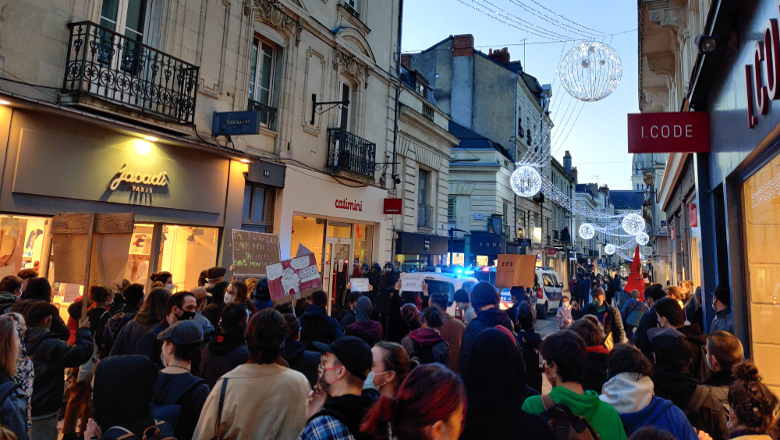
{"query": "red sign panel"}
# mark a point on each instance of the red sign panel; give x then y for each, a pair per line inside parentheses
(551, 251)
(681, 132)
(394, 206)
(693, 216)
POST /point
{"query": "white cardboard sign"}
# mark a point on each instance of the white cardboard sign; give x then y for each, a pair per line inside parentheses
(359, 284)
(412, 282)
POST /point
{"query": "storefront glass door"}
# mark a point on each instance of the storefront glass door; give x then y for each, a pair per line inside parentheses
(187, 250)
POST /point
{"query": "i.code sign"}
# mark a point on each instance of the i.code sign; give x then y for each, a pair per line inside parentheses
(680, 132)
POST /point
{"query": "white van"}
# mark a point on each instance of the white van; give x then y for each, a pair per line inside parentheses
(551, 291)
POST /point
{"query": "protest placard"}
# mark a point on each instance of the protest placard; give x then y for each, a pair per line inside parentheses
(293, 276)
(253, 252)
(359, 285)
(412, 282)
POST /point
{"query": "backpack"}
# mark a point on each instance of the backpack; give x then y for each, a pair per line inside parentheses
(565, 424)
(159, 431)
(6, 307)
(634, 315)
(423, 354)
(171, 413)
(695, 403)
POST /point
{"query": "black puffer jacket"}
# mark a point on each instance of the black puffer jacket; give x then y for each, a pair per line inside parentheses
(51, 356)
(223, 354)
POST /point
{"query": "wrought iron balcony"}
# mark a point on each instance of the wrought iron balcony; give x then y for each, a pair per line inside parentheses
(424, 217)
(267, 114)
(110, 66)
(351, 154)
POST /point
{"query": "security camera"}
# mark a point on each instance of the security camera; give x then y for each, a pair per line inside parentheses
(397, 180)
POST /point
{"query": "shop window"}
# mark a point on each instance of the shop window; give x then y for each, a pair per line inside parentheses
(185, 251)
(339, 230)
(364, 240)
(22, 243)
(137, 269)
(258, 214)
(308, 232)
(424, 178)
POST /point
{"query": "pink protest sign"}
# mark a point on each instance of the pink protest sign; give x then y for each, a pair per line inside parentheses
(293, 276)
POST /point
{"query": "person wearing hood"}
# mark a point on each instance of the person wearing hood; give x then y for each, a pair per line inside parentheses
(349, 315)
(178, 394)
(629, 389)
(426, 343)
(529, 342)
(596, 369)
(123, 405)
(673, 382)
(494, 354)
(39, 289)
(463, 302)
(724, 352)
(484, 299)
(152, 312)
(670, 315)
(316, 325)
(134, 298)
(363, 327)
(384, 295)
(10, 291)
(608, 316)
(262, 296)
(214, 309)
(565, 359)
(228, 350)
(261, 399)
(295, 354)
(51, 356)
(337, 405)
(374, 278)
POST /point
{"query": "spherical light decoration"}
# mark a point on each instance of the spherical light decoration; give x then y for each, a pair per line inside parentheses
(633, 224)
(609, 249)
(587, 231)
(526, 181)
(642, 238)
(591, 71)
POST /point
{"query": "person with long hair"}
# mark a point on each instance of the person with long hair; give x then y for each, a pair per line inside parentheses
(152, 312)
(214, 309)
(751, 404)
(237, 292)
(390, 367)
(14, 407)
(430, 405)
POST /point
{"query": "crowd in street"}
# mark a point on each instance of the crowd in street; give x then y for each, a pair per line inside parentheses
(222, 361)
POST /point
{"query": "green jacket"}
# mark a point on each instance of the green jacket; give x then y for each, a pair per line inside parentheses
(602, 416)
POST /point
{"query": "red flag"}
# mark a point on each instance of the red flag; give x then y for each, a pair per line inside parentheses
(635, 279)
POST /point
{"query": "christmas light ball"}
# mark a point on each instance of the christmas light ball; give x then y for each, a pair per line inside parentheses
(609, 249)
(590, 71)
(633, 224)
(526, 181)
(587, 231)
(642, 238)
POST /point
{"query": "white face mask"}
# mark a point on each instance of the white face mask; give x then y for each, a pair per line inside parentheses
(566, 305)
(170, 287)
(228, 298)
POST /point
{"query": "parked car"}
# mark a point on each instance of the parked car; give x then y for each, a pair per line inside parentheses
(549, 292)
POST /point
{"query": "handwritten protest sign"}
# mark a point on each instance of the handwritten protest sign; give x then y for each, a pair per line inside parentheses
(359, 285)
(253, 252)
(412, 282)
(293, 276)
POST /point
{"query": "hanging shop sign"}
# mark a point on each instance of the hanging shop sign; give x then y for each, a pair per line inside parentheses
(235, 123)
(765, 69)
(253, 252)
(676, 132)
(551, 251)
(393, 206)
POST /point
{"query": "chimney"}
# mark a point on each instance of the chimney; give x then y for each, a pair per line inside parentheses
(462, 45)
(574, 174)
(406, 59)
(604, 189)
(500, 55)
(567, 162)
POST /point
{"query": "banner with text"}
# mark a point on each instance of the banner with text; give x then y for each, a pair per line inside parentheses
(253, 252)
(293, 276)
(412, 282)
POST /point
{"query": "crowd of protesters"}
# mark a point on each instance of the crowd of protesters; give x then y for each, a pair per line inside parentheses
(222, 361)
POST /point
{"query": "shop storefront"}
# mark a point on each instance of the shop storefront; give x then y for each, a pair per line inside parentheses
(185, 200)
(418, 251)
(342, 225)
(485, 247)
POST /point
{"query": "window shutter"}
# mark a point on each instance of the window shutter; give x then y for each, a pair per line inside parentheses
(506, 216)
(451, 209)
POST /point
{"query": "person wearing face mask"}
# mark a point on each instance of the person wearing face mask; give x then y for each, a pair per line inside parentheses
(166, 278)
(237, 292)
(51, 357)
(337, 405)
(724, 351)
(228, 349)
(180, 307)
(563, 318)
(607, 315)
(214, 309)
(10, 291)
(430, 405)
(178, 394)
(390, 367)
(261, 399)
(721, 302)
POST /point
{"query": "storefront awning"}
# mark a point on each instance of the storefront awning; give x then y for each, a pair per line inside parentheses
(486, 243)
(410, 243)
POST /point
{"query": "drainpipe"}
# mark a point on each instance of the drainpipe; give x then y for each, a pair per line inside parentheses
(397, 93)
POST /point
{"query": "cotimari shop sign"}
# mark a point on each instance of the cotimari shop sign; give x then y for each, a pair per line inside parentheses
(349, 206)
(765, 69)
(139, 182)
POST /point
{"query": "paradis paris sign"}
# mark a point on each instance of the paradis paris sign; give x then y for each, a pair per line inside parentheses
(136, 179)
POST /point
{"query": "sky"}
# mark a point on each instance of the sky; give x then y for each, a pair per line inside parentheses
(597, 138)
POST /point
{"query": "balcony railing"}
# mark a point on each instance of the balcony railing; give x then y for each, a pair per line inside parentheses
(107, 65)
(267, 114)
(347, 152)
(424, 217)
